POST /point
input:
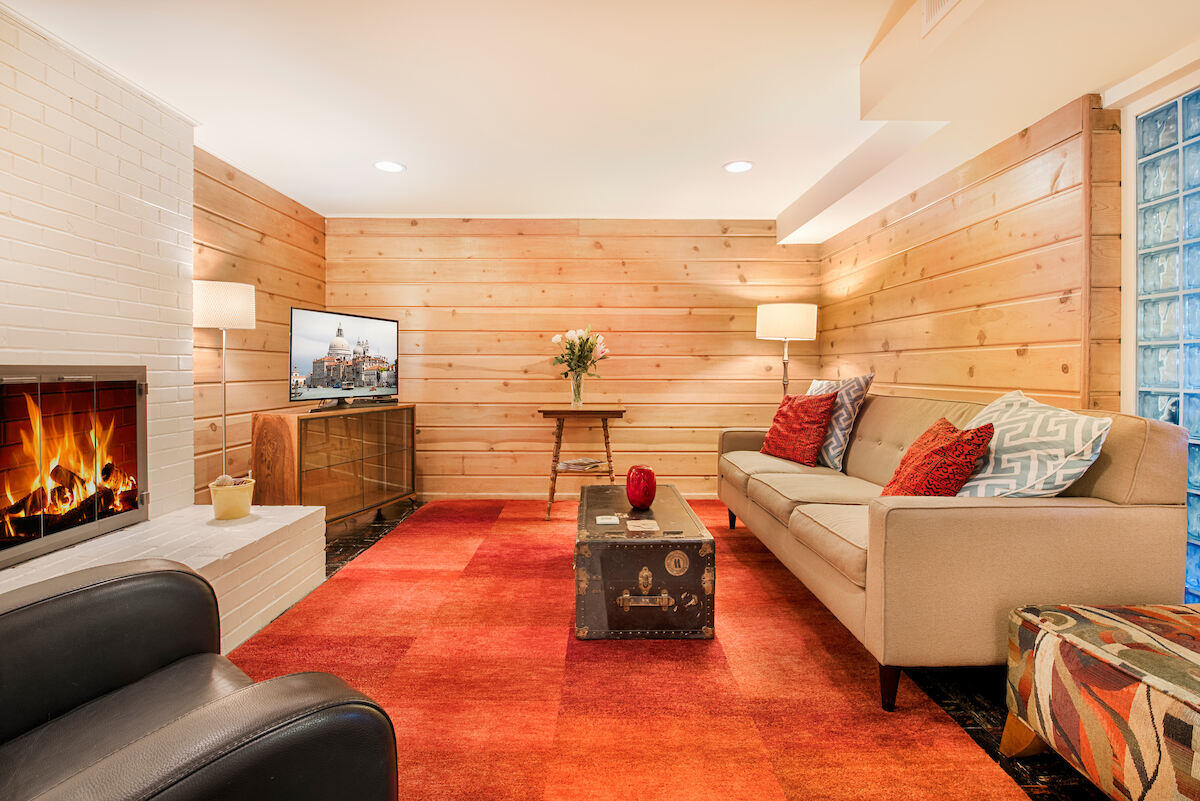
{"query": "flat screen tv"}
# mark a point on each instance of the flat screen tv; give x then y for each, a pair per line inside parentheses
(337, 356)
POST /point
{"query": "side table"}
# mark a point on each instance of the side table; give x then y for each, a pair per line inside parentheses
(560, 414)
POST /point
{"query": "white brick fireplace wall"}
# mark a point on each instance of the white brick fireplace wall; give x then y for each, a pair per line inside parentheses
(96, 233)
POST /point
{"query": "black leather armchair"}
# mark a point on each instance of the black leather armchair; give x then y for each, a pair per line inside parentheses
(112, 686)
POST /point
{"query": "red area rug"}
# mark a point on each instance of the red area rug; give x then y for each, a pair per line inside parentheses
(460, 623)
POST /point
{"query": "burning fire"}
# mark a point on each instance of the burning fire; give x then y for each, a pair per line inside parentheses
(64, 484)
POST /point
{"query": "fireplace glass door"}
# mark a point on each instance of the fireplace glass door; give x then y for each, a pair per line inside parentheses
(69, 456)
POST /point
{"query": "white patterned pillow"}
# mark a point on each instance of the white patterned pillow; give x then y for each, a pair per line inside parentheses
(1037, 451)
(851, 392)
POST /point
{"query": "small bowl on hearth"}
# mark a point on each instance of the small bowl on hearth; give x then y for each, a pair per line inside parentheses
(231, 501)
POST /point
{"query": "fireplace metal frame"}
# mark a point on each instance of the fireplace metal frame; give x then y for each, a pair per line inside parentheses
(27, 374)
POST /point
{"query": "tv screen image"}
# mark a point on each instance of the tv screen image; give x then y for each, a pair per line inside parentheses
(336, 356)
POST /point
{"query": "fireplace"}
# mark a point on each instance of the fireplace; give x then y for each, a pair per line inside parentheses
(72, 456)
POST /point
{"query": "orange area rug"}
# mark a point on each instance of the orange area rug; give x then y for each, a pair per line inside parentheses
(460, 622)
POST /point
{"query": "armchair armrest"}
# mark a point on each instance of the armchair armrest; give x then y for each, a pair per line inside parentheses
(740, 439)
(76, 637)
(943, 573)
(302, 737)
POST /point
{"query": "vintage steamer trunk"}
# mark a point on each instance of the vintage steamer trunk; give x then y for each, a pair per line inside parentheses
(643, 585)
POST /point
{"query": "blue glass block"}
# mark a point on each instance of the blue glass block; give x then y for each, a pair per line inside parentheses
(1158, 177)
(1190, 596)
(1159, 271)
(1191, 266)
(1193, 551)
(1191, 215)
(1159, 406)
(1191, 366)
(1191, 166)
(1194, 466)
(1158, 367)
(1158, 320)
(1158, 224)
(1158, 129)
(1192, 576)
(1191, 115)
(1193, 516)
(1190, 418)
(1191, 316)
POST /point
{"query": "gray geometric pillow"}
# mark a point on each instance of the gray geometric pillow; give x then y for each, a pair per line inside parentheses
(1037, 451)
(851, 392)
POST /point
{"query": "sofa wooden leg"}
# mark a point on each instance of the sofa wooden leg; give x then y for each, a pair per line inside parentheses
(1018, 740)
(732, 520)
(889, 682)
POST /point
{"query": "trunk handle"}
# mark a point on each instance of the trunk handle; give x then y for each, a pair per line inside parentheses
(662, 601)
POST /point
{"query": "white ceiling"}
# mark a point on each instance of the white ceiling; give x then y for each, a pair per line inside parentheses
(612, 108)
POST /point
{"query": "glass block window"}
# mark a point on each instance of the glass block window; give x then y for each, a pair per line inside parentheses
(1168, 285)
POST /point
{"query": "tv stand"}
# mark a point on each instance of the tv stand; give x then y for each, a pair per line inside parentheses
(349, 460)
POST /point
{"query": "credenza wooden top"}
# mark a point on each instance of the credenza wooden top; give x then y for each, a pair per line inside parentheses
(305, 414)
(587, 410)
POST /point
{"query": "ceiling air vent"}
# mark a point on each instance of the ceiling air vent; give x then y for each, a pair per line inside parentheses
(933, 11)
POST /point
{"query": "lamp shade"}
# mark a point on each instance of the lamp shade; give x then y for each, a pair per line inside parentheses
(786, 321)
(222, 304)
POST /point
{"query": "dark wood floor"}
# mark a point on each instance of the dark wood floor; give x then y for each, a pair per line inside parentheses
(973, 697)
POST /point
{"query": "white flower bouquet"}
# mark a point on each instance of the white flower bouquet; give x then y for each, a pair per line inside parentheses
(582, 350)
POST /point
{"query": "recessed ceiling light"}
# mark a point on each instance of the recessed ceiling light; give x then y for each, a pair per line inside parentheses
(389, 166)
(739, 166)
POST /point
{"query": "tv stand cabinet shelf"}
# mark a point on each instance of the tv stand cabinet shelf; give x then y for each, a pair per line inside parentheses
(349, 460)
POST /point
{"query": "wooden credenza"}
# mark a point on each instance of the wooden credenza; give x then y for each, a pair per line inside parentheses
(347, 460)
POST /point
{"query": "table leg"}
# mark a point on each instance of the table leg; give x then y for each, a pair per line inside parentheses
(558, 432)
(608, 451)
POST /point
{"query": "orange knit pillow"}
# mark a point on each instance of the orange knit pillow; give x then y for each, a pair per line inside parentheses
(799, 427)
(940, 461)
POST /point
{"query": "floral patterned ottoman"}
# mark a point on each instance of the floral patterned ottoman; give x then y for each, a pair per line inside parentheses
(1113, 689)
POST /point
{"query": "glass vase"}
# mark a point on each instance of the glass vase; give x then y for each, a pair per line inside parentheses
(576, 390)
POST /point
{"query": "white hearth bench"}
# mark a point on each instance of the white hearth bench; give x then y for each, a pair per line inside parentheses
(259, 565)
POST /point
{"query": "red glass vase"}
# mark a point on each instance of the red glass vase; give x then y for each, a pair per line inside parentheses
(640, 486)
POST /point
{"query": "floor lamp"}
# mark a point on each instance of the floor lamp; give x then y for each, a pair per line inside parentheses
(786, 321)
(223, 305)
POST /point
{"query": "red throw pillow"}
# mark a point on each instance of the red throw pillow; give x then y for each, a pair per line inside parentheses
(799, 427)
(940, 461)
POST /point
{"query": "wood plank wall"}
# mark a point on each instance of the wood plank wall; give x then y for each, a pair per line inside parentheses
(245, 231)
(479, 300)
(1004, 273)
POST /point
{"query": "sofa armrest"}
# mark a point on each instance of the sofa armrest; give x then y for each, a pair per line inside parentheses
(741, 439)
(302, 737)
(943, 573)
(73, 638)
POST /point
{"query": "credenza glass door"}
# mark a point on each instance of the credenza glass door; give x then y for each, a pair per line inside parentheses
(356, 461)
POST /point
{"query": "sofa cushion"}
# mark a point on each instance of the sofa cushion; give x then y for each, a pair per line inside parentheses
(850, 395)
(1038, 450)
(835, 532)
(798, 430)
(778, 494)
(737, 467)
(940, 461)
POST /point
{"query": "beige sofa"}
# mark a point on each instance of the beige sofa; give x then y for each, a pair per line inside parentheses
(930, 581)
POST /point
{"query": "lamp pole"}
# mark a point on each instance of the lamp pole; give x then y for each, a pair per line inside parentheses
(785, 363)
(225, 428)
